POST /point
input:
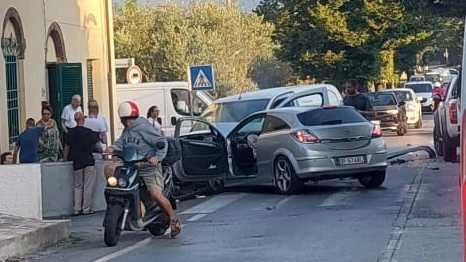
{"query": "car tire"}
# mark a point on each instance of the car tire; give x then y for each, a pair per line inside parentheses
(418, 124)
(402, 130)
(285, 178)
(438, 140)
(373, 180)
(449, 149)
(215, 186)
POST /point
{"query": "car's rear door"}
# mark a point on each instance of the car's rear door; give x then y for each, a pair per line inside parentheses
(203, 151)
(315, 97)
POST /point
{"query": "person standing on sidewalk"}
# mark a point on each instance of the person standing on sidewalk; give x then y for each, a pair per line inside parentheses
(153, 117)
(81, 143)
(68, 114)
(50, 145)
(97, 123)
(28, 143)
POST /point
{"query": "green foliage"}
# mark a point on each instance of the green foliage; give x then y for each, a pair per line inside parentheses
(335, 40)
(166, 40)
(270, 72)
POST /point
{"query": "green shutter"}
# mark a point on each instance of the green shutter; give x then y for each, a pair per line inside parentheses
(65, 80)
(12, 97)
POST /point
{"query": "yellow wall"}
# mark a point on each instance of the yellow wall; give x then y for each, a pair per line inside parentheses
(83, 24)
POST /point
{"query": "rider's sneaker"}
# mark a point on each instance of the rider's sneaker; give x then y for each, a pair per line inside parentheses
(175, 227)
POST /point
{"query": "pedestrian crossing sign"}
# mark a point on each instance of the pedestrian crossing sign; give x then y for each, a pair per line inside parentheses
(201, 77)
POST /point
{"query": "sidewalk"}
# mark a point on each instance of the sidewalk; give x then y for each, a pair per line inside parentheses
(19, 236)
(433, 232)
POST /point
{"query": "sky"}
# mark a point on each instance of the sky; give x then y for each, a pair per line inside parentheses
(246, 5)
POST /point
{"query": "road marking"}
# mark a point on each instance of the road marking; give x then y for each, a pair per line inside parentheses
(196, 217)
(284, 201)
(338, 199)
(124, 251)
(213, 204)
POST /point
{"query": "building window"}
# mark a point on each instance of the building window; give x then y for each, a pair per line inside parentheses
(90, 79)
(11, 68)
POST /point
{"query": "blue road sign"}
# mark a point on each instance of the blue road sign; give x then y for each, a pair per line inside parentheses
(202, 77)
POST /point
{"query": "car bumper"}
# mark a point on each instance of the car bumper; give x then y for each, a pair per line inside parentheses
(328, 168)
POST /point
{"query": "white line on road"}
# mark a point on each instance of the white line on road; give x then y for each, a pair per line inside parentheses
(196, 217)
(284, 201)
(213, 204)
(124, 251)
(338, 199)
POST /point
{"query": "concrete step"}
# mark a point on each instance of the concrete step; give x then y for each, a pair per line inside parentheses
(20, 236)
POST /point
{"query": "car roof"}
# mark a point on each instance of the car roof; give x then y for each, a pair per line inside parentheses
(397, 89)
(418, 83)
(269, 93)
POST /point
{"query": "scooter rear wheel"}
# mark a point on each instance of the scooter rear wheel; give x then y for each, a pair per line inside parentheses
(112, 225)
(159, 227)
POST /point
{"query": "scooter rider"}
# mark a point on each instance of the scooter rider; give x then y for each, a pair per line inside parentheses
(138, 131)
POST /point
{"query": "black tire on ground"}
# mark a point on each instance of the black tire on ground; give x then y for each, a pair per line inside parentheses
(449, 149)
(437, 140)
(215, 186)
(418, 124)
(112, 225)
(373, 180)
(402, 130)
(286, 180)
(159, 227)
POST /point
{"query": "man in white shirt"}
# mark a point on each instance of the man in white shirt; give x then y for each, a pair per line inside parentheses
(67, 116)
(96, 122)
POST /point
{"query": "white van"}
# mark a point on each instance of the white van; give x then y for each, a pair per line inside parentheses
(172, 98)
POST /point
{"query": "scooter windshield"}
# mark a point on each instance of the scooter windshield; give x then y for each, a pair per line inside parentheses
(130, 153)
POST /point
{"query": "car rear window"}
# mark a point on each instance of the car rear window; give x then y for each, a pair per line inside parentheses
(330, 116)
(420, 88)
(382, 99)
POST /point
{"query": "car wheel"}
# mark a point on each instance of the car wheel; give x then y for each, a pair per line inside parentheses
(215, 186)
(438, 141)
(373, 180)
(418, 124)
(449, 149)
(402, 130)
(286, 180)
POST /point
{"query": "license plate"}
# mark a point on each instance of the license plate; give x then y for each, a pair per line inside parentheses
(353, 160)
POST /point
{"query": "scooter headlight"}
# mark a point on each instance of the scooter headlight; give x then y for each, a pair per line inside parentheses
(112, 181)
(122, 182)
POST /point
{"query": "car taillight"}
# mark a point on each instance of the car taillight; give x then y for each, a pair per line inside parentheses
(377, 131)
(453, 112)
(304, 136)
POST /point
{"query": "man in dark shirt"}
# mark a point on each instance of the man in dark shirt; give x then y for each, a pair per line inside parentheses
(27, 143)
(353, 98)
(80, 144)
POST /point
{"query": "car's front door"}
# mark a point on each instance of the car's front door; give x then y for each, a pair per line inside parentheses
(203, 151)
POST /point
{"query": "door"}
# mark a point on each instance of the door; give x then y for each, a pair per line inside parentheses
(203, 151)
(242, 144)
(312, 98)
(65, 80)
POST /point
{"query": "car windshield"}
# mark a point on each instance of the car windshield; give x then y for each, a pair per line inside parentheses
(404, 96)
(380, 99)
(330, 116)
(420, 88)
(233, 111)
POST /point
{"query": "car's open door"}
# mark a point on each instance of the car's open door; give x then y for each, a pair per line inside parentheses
(203, 151)
(311, 98)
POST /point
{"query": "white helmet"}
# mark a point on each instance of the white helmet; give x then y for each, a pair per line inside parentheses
(437, 84)
(128, 109)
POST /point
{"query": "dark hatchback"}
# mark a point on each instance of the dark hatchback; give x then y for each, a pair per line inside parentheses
(389, 111)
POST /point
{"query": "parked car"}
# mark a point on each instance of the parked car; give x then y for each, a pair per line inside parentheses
(447, 122)
(424, 90)
(412, 104)
(225, 113)
(389, 110)
(285, 147)
(416, 78)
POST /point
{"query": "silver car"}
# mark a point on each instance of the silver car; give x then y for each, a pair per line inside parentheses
(285, 148)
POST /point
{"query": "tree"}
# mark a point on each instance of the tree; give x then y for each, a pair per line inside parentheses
(341, 39)
(165, 40)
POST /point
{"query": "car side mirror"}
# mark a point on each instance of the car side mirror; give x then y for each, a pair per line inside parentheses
(159, 120)
(173, 120)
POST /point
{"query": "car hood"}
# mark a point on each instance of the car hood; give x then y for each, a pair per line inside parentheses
(424, 95)
(225, 127)
(384, 108)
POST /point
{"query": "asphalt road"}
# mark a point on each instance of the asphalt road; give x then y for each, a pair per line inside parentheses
(413, 217)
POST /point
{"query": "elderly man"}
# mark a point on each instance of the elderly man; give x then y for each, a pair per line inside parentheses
(80, 144)
(96, 121)
(67, 116)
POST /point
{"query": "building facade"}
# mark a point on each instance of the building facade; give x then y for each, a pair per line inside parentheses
(51, 50)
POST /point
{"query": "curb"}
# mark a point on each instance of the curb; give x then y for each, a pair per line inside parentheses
(46, 234)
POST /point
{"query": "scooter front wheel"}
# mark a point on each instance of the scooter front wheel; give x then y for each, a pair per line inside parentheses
(112, 225)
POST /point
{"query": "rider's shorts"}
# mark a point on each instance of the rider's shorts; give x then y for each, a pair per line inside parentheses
(152, 177)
